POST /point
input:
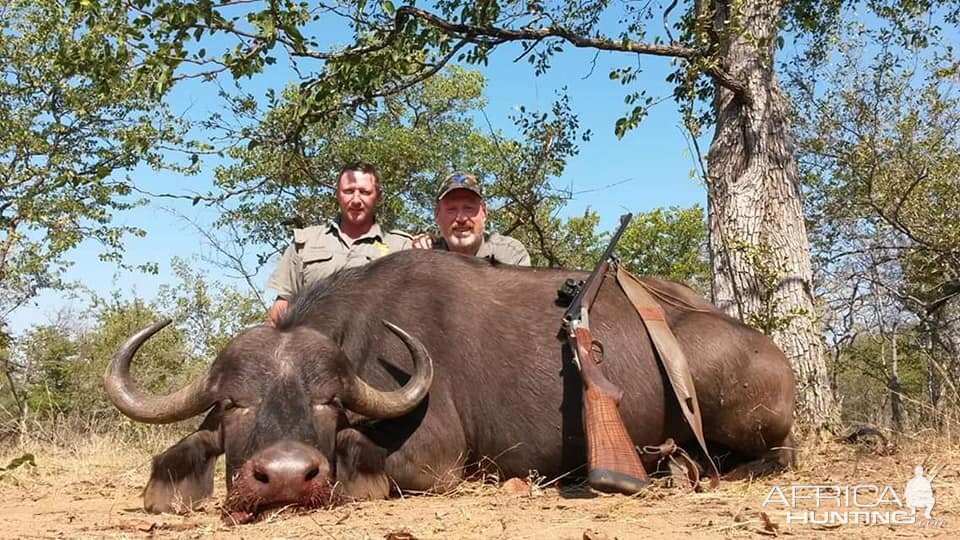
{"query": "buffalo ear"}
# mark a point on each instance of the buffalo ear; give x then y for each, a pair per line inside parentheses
(182, 475)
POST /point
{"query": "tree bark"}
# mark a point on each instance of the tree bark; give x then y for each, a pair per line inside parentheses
(758, 239)
(947, 328)
(944, 350)
(896, 406)
(934, 386)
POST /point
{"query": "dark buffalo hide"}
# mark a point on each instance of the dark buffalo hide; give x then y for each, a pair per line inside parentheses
(332, 404)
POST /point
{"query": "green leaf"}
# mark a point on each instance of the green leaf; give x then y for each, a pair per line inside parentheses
(387, 7)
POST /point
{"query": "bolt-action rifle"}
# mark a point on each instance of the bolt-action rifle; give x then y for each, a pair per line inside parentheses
(613, 464)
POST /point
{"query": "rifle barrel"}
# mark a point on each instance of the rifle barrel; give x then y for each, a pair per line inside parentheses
(573, 310)
(937, 472)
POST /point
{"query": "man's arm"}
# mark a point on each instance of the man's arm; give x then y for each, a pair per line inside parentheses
(287, 280)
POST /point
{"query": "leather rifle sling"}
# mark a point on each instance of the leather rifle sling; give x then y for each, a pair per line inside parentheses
(672, 357)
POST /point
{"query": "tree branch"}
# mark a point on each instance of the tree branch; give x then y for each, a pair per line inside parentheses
(390, 90)
(601, 43)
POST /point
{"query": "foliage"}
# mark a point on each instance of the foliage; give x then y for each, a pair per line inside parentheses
(209, 312)
(878, 132)
(862, 374)
(66, 371)
(665, 242)
(72, 116)
(395, 47)
(881, 154)
(670, 243)
(63, 362)
(529, 204)
(53, 353)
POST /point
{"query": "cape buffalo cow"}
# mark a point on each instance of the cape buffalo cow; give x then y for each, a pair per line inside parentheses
(342, 397)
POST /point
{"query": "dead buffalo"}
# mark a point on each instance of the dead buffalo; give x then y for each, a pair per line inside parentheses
(337, 401)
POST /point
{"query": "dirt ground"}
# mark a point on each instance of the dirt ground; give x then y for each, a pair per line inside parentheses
(92, 490)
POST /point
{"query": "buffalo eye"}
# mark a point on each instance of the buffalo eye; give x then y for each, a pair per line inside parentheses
(229, 404)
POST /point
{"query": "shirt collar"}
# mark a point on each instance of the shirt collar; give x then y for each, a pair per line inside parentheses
(375, 233)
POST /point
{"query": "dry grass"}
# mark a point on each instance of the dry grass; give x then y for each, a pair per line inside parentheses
(87, 486)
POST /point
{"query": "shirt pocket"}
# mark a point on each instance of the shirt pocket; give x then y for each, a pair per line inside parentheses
(318, 263)
(311, 255)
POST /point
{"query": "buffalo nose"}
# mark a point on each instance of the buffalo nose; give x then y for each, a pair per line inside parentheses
(289, 469)
(287, 472)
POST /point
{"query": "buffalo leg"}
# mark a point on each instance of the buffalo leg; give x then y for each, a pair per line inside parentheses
(360, 466)
(183, 474)
(367, 471)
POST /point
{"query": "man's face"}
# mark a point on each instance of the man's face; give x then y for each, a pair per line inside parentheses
(357, 197)
(461, 216)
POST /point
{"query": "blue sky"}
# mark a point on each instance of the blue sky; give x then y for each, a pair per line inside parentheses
(651, 167)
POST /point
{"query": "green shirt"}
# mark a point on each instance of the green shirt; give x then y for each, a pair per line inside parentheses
(321, 250)
(501, 248)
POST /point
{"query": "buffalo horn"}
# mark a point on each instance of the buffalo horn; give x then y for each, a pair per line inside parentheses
(150, 409)
(368, 401)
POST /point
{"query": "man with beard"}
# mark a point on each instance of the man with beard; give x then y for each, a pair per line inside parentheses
(461, 216)
(353, 239)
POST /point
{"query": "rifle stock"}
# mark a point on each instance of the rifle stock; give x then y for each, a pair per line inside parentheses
(612, 461)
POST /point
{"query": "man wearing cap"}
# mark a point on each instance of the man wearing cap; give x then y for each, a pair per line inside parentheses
(461, 215)
(353, 239)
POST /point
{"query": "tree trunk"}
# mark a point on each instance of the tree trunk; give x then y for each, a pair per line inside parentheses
(944, 351)
(758, 238)
(896, 406)
(934, 389)
(946, 331)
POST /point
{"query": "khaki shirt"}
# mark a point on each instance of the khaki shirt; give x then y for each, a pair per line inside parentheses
(501, 248)
(321, 250)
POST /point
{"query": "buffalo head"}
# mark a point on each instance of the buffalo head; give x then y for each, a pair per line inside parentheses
(276, 400)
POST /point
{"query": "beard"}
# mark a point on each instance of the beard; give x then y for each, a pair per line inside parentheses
(464, 241)
(357, 216)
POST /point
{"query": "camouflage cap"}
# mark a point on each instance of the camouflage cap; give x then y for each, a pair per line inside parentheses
(459, 180)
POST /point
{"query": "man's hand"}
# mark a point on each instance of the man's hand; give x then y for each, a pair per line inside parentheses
(276, 310)
(423, 241)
